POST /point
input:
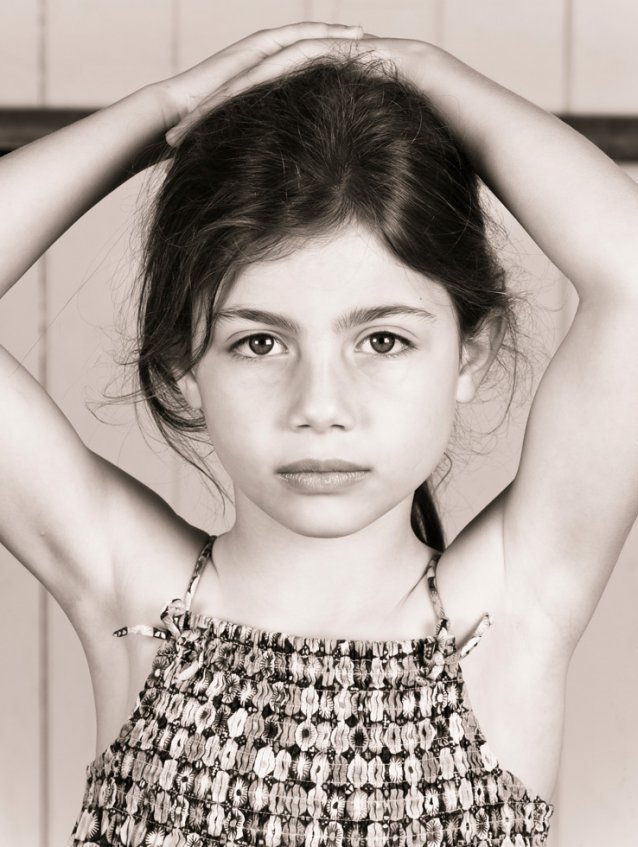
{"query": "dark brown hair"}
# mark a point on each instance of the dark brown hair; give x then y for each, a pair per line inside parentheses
(335, 142)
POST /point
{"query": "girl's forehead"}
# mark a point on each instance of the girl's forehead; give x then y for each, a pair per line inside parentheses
(349, 268)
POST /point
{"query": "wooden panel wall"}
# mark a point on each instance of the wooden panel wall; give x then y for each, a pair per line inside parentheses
(63, 320)
(23, 666)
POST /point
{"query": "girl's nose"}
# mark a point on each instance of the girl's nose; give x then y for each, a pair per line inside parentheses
(323, 394)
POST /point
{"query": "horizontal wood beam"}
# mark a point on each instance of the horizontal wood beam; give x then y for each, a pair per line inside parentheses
(21, 126)
(616, 135)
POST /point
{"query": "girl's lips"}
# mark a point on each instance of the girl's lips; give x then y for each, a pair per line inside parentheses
(323, 481)
(319, 466)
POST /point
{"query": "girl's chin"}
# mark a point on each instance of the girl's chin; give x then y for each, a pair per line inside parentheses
(332, 519)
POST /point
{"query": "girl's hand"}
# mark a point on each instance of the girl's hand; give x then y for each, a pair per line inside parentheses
(268, 54)
(262, 55)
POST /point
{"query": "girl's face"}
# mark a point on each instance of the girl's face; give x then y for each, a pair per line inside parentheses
(321, 377)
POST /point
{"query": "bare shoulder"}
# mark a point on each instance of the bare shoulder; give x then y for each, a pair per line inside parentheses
(153, 553)
(87, 530)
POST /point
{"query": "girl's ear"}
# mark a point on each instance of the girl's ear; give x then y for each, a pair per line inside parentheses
(477, 354)
(188, 386)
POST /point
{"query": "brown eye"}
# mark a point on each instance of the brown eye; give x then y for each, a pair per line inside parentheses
(385, 344)
(260, 344)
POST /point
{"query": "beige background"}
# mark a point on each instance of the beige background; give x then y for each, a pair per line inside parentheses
(62, 320)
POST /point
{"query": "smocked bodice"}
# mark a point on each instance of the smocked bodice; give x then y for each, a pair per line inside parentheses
(242, 736)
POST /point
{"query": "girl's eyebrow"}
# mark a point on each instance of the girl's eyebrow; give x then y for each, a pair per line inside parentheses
(350, 319)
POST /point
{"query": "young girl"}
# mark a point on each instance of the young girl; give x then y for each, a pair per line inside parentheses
(319, 295)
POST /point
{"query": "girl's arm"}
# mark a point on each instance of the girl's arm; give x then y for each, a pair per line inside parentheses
(578, 206)
(47, 185)
(55, 494)
(568, 512)
(68, 515)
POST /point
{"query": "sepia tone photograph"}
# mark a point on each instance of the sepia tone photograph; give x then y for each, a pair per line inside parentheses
(318, 423)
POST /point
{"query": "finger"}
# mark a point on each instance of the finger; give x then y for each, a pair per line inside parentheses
(269, 41)
(270, 68)
(215, 71)
(289, 33)
(285, 60)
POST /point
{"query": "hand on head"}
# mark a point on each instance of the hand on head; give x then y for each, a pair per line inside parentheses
(263, 55)
(267, 54)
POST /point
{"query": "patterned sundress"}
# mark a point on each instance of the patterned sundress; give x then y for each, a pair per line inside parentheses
(242, 736)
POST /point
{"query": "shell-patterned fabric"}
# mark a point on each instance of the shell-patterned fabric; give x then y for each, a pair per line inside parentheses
(242, 736)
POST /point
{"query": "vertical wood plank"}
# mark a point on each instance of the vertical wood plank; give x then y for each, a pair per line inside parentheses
(100, 51)
(400, 19)
(520, 45)
(605, 57)
(20, 658)
(24, 669)
(19, 65)
(598, 776)
(20, 737)
(204, 27)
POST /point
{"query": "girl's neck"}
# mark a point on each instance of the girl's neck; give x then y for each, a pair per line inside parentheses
(332, 586)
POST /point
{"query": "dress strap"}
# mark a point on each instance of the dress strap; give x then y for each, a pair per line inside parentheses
(173, 613)
(430, 575)
(475, 636)
(200, 564)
